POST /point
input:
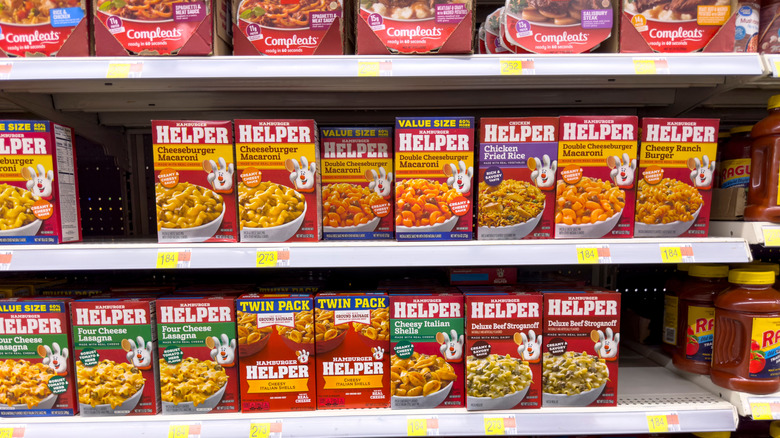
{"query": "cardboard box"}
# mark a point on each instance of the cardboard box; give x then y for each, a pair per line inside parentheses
(427, 332)
(728, 204)
(676, 174)
(581, 332)
(518, 158)
(60, 31)
(276, 352)
(115, 342)
(434, 165)
(357, 173)
(193, 160)
(503, 330)
(319, 32)
(353, 355)
(39, 180)
(483, 276)
(35, 334)
(200, 27)
(281, 158)
(196, 338)
(596, 177)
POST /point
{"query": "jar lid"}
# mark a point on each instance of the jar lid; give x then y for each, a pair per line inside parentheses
(774, 102)
(748, 276)
(739, 129)
(759, 266)
(683, 267)
(723, 134)
(709, 271)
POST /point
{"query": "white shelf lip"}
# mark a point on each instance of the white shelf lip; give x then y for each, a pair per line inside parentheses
(697, 411)
(752, 232)
(696, 64)
(115, 256)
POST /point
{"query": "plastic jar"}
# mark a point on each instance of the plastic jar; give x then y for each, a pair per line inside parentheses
(671, 309)
(735, 159)
(763, 201)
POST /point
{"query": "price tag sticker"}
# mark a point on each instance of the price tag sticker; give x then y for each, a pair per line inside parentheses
(504, 425)
(771, 236)
(12, 431)
(124, 70)
(776, 65)
(663, 422)
(593, 254)
(266, 429)
(273, 258)
(5, 260)
(422, 426)
(173, 258)
(5, 70)
(375, 68)
(516, 67)
(651, 66)
(763, 408)
(676, 253)
(184, 430)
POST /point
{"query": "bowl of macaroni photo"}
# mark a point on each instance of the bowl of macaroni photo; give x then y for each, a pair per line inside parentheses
(30, 229)
(270, 212)
(106, 409)
(361, 228)
(420, 381)
(588, 231)
(671, 229)
(191, 408)
(199, 392)
(422, 401)
(188, 213)
(666, 209)
(45, 403)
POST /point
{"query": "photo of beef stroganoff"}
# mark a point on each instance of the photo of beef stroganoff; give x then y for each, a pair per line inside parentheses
(573, 373)
(496, 376)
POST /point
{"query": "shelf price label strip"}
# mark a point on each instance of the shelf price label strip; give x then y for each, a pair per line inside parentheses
(273, 258)
(184, 430)
(771, 235)
(503, 425)
(5, 70)
(663, 422)
(422, 426)
(374, 68)
(122, 70)
(590, 254)
(12, 431)
(266, 429)
(776, 68)
(516, 67)
(651, 66)
(5, 260)
(764, 408)
(173, 258)
(677, 253)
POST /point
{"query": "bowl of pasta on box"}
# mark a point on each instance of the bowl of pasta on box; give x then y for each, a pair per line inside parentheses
(520, 225)
(425, 401)
(666, 209)
(201, 390)
(588, 231)
(274, 218)
(188, 213)
(443, 227)
(45, 403)
(118, 406)
(29, 229)
(573, 379)
(496, 382)
(361, 228)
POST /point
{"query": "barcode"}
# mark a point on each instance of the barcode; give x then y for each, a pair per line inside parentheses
(670, 335)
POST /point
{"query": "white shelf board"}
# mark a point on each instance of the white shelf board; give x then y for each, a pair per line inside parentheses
(115, 256)
(752, 232)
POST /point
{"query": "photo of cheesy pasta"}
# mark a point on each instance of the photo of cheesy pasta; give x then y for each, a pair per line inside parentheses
(347, 205)
(303, 332)
(108, 383)
(186, 206)
(509, 203)
(589, 201)
(268, 205)
(422, 202)
(248, 333)
(379, 329)
(15, 207)
(325, 328)
(419, 375)
(668, 201)
(496, 376)
(190, 380)
(23, 382)
(573, 373)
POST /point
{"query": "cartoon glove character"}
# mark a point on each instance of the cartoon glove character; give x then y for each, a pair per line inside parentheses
(303, 356)
(451, 346)
(622, 172)
(302, 175)
(529, 347)
(138, 353)
(220, 176)
(40, 182)
(607, 346)
(701, 172)
(55, 358)
(459, 177)
(380, 183)
(223, 352)
(378, 352)
(543, 172)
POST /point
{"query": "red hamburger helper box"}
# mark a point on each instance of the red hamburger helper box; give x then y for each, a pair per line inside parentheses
(352, 343)
(357, 176)
(279, 195)
(426, 332)
(518, 158)
(503, 337)
(276, 352)
(38, 183)
(581, 336)
(434, 165)
(37, 352)
(596, 177)
(196, 338)
(676, 172)
(115, 341)
(38, 28)
(194, 173)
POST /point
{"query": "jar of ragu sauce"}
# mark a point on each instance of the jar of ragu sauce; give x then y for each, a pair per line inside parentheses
(695, 327)
(747, 334)
(671, 308)
(763, 197)
(735, 159)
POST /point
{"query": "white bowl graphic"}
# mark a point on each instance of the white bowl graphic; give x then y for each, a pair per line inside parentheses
(106, 410)
(194, 234)
(510, 232)
(362, 228)
(190, 408)
(672, 229)
(422, 402)
(581, 399)
(30, 229)
(508, 401)
(46, 403)
(280, 233)
(587, 231)
(443, 227)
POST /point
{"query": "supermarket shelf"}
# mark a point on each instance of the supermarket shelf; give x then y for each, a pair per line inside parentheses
(645, 391)
(370, 254)
(752, 232)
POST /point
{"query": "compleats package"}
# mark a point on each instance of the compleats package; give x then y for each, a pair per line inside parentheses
(434, 164)
(504, 348)
(38, 28)
(357, 173)
(38, 183)
(677, 166)
(596, 188)
(197, 348)
(115, 343)
(353, 366)
(426, 332)
(518, 158)
(279, 191)
(581, 336)
(37, 369)
(276, 350)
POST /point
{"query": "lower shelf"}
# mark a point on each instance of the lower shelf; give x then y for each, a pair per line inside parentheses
(645, 392)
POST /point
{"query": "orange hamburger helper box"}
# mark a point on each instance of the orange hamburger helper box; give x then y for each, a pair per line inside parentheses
(194, 173)
(276, 352)
(676, 172)
(36, 349)
(581, 337)
(352, 344)
(596, 177)
(357, 176)
(279, 195)
(426, 332)
(503, 337)
(196, 338)
(434, 165)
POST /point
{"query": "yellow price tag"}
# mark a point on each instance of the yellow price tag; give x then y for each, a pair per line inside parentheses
(657, 424)
(118, 71)
(494, 426)
(416, 427)
(179, 431)
(167, 260)
(368, 69)
(771, 236)
(761, 411)
(6, 432)
(777, 68)
(259, 430)
(267, 259)
(644, 67)
(587, 255)
(671, 254)
(511, 67)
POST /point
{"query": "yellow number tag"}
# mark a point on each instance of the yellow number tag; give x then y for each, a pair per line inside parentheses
(657, 424)
(179, 431)
(671, 254)
(167, 260)
(587, 255)
(777, 68)
(267, 259)
(644, 67)
(118, 71)
(511, 67)
(759, 411)
(771, 236)
(416, 427)
(494, 426)
(259, 430)
(368, 69)
(6, 432)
